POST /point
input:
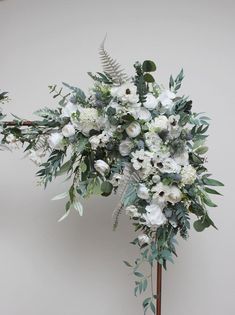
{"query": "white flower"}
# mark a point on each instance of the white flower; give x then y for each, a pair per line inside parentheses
(174, 128)
(159, 124)
(132, 211)
(143, 192)
(141, 159)
(189, 175)
(151, 101)
(182, 159)
(143, 114)
(36, 156)
(69, 109)
(10, 138)
(165, 98)
(94, 141)
(101, 167)
(160, 193)
(153, 141)
(143, 239)
(125, 147)
(68, 130)
(168, 166)
(133, 130)
(87, 120)
(154, 216)
(126, 92)
(116, 179)
(156, 179)
(55, 141)
(174, 194)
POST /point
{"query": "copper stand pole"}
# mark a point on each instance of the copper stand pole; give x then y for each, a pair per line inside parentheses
(159, 289)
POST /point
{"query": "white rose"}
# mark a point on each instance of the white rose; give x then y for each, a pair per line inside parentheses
(151, 101)
(69, 109)
(165, 98)
(143, 239)
(143, 114)
(143, 192)
(94, 141)
(160, 123)
(132, 211)
(154, 216)
(174, 195)
(55, 141)
(125, 147)
(101, 167)
(68, 130)
(189, 175)
(133, 130)
(10, 138)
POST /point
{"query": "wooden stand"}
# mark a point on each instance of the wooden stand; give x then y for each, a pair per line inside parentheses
(159, 289)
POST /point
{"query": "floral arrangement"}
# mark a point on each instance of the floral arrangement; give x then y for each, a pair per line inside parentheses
(130, 136)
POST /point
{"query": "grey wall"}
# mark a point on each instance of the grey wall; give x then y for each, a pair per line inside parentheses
(75, 267)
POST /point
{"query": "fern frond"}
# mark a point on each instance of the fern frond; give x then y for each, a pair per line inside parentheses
(111, 67)
(129, 178)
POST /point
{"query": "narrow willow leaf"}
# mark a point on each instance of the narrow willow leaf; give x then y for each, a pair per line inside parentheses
(127, 263)
(78, 207)
(64, 216)
(212, 191)
(212, 182)
(60, 196)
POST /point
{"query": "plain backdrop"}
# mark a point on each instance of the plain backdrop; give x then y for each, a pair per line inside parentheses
(75, 267)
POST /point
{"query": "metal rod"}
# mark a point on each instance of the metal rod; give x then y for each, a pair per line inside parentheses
(159, 289)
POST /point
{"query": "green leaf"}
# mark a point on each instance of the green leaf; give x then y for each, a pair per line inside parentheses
(201, 150)
(60, 196)
(211, 182)
(78, 207)
(149, 78)
(212, 191)
(127, 263)
(138, 274)
(152, 306)
(64, 216)
(106, 188)
(206, 199)
(199, 226)
(149, 66)
(64, 168)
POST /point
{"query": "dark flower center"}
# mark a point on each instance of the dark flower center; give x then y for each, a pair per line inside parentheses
(128, 91)
(160, 165)
(161, 194)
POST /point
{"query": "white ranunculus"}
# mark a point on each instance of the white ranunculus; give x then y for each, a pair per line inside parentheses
(55, 141)
(126, 92)
(151, 101)
(182, 159)
(143, 114)
(101, 167)
(133, 130)
(154, 216)
(169, 165)
(174, 194)
(143, 239)
(68, 130)
(165, 98)
(143, 192)
(132, 211)
(125, 147)
(69, 109)
(94, 141)
(189, 175)
(159, 124)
